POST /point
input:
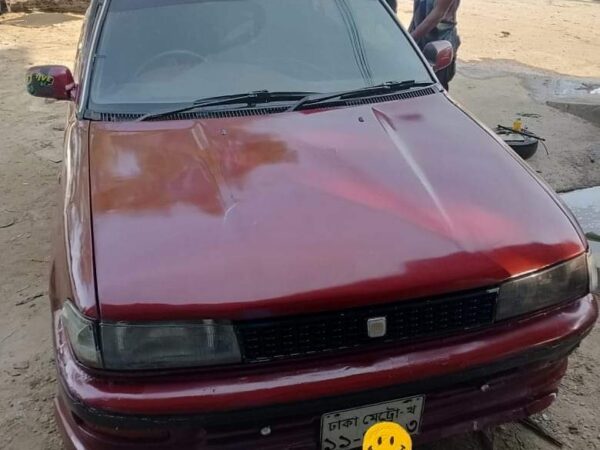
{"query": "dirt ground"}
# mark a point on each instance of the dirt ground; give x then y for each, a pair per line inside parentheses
(565, 41)
(555, 35)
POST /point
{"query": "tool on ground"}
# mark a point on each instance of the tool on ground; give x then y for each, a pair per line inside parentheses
(540, 431)
(520, 139)
(521, 131)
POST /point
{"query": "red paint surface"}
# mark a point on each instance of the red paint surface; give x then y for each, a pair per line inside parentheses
(72, 274)
(251, 386)
(299, 212)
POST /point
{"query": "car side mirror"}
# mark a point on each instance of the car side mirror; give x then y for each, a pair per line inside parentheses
(51, 82)
(439, 54)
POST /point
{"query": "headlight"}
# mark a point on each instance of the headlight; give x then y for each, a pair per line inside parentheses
(146, 346)
(567, 281)
(82, 335)
(168, 345)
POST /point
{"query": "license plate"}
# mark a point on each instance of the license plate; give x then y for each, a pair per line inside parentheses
(345, 429)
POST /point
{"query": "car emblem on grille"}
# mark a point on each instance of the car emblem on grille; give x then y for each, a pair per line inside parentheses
(377, 327)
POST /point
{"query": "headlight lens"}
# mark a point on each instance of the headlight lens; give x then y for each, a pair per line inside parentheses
(561, 283)
(147, 346)
(82, 335)
(168, 345)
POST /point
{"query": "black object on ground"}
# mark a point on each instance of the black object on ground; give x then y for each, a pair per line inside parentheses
(523, 142)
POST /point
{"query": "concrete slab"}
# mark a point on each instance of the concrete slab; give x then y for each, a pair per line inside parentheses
(580, 97)
(585, 110)
(575, 89)
(595, 246)
(585, 204)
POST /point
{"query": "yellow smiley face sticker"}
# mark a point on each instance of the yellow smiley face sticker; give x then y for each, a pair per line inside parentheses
(387, 436)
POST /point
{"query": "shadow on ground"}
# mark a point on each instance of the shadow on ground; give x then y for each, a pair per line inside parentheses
(40, 20)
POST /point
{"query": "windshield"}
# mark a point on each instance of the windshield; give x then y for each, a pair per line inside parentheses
(158, 52)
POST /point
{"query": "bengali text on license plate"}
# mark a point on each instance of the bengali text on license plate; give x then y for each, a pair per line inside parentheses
(345, 429)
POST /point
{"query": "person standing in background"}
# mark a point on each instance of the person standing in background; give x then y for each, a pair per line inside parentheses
(435, 20)
(4, 6)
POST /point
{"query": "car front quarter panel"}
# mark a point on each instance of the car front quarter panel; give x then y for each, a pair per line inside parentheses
(72, 272)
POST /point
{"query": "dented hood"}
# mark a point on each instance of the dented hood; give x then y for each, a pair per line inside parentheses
(302, 211)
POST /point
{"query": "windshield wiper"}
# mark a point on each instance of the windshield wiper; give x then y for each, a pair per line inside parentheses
(250, 99)
(379, 89)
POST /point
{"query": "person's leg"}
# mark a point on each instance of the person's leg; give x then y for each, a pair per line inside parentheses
(393, 4)
(446, 75)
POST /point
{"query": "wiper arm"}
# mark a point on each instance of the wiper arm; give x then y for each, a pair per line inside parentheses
(250, 99)
(379, 89)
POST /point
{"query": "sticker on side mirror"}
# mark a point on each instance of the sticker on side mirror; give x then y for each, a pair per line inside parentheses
(37, 81)
(50, 82)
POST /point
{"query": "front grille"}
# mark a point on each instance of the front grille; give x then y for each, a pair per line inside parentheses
(307, 335)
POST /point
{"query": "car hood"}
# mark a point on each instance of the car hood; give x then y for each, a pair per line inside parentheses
(287, 213)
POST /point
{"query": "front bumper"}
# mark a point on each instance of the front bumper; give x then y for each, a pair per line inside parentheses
(470, 381)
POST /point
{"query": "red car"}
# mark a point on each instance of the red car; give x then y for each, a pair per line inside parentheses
(278, 229)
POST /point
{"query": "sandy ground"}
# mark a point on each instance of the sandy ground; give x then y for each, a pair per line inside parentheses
(561, 36)
(30, 151)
